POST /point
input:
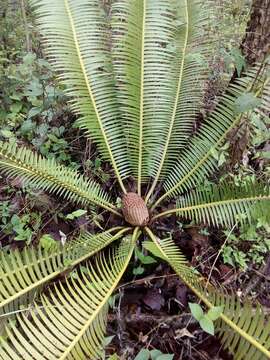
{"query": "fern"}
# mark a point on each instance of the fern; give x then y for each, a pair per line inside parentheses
(76, 41)
(46, 174)
(197, 161)
(242, 335)
(76, 328)
(23, 272)
(188, 67)
(155, 49)
(223, 205)
(135, 80)
(8, 313)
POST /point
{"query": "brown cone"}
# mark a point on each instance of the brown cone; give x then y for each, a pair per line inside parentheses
(135, 210)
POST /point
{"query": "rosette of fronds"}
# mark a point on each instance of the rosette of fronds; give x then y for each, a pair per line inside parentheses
(136, 82)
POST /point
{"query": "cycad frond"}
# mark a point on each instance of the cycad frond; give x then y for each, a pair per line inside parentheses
(47, 175)
(250, 338)
(245, 336)
(197, 161)
(223, 205)
(264, 109)
(193, 49)
(72, 321)
(143, 53)
(22, 272)
(8, 312)
(76, 38)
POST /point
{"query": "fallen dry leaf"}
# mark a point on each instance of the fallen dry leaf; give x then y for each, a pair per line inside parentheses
(183, 332)
(154, 299)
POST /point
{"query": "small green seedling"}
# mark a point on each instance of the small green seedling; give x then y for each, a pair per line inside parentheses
(146, 354)
(206, 320)
(76, 214)
(144, 260)
(48, 243)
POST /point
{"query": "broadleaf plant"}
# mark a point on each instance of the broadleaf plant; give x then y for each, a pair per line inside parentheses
(136, 85)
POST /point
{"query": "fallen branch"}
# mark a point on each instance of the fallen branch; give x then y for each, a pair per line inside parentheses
(172, 321)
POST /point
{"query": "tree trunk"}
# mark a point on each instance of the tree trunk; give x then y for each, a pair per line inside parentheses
(255, 47)
(256, 44)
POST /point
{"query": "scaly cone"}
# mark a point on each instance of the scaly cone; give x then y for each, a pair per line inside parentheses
(135, 210)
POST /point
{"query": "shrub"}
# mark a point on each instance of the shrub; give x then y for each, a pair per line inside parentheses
(135, 81)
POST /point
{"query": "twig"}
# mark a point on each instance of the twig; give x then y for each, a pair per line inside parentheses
(255, 280)
(218, 254)
(144, 280)
(25, 24)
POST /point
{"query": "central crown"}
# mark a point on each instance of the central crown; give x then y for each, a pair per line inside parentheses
(134, 209)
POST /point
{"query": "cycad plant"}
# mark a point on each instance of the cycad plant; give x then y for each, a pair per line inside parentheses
(135, 76)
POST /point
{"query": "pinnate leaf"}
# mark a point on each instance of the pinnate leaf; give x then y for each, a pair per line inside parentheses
(215, 312)
(246, 102)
